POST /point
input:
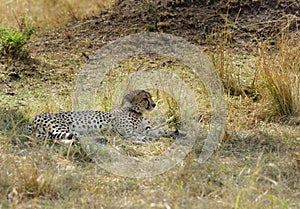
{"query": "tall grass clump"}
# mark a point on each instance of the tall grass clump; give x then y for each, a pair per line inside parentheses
(223, 62)
(280, 72)
(222, 58)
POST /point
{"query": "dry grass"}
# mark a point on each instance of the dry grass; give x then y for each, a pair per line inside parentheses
(280, 71)
(47, 14)
(249, 170)
(256, 166)
(223, 63)
(236, 81)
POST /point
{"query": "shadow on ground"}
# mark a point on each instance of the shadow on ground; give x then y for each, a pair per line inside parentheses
(13, 125)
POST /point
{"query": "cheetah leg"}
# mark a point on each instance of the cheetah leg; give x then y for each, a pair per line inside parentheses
(97, 135)
(154, 135)
(162, 133)
(64, 136)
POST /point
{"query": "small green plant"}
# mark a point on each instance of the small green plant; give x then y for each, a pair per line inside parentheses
(12, 41)
(280, 71)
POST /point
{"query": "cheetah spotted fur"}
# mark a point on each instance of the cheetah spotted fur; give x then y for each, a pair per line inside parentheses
(128, 121)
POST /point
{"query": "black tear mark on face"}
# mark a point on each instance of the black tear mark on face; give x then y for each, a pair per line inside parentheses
(144, 101)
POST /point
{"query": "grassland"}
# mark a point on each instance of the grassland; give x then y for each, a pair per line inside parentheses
(47, 14)
(257, 164)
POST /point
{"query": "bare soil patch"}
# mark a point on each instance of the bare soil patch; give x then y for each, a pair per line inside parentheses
(247, 22)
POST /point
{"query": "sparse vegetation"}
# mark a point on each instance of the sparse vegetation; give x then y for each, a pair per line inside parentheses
(223, 62)
(280, 70)
(257, 164)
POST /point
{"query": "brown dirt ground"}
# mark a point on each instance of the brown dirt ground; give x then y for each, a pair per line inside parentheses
(193, 20)
(60, 51)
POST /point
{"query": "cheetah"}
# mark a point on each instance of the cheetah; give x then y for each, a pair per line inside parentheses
(128, 121)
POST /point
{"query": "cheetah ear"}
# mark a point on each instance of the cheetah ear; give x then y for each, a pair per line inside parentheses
(129, 97)
(126, 103)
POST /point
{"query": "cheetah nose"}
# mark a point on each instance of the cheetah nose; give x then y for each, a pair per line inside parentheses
(153, 105)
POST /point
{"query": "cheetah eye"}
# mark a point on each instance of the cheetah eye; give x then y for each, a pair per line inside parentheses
(146, 101)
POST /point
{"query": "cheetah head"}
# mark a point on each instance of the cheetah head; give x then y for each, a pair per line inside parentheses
(139, 101)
